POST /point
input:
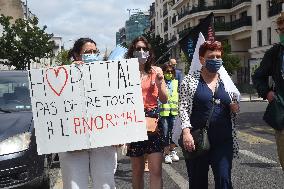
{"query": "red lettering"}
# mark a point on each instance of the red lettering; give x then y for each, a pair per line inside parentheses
(109, 118)
(89, 125)
(102, 122)
(77, 124)
(135, 117)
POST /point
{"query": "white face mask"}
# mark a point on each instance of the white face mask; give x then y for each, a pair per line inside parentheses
(141, 55)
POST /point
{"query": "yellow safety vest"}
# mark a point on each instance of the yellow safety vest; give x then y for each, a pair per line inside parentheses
(171, 107)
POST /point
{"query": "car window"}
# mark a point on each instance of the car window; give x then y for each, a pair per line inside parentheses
(14, 93)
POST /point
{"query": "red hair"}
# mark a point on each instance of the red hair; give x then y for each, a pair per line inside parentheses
(210, 45)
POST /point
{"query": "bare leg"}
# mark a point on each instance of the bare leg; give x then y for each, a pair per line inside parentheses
(155, 167)
(137, 172)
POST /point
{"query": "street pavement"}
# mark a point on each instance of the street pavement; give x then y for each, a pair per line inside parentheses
(257, 167)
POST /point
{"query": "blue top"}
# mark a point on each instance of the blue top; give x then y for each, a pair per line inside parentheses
(220, 127)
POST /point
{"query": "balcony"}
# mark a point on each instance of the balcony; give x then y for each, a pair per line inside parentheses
(237, 2)
(229, 26)
(185, 13)
(274, 9)
(222, 26)
(176, 4)
(244, 21)
(209, 8)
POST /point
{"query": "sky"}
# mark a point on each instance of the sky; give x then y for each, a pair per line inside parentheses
(97, 19)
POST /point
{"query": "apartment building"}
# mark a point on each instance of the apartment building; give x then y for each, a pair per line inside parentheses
(247, 25)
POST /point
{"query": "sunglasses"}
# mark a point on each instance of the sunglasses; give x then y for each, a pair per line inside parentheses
(91, 51)
(143, 48)
(213, 42)
(279, 30)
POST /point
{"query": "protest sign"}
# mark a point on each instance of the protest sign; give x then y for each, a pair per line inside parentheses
(87, 106)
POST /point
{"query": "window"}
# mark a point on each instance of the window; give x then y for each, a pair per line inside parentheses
(219, 19)
(259, 38)
(269, 36)
(243, 14)
(258, 12)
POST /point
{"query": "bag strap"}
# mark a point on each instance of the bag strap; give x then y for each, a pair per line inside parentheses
(214, 100)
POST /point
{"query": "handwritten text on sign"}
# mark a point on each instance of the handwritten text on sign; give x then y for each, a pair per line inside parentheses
(87, 106)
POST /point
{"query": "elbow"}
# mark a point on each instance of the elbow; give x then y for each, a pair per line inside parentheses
(163, 99)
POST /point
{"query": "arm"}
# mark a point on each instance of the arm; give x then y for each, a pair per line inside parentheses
(160, 82)
(262, 73)
(185, 103)
(185, 108)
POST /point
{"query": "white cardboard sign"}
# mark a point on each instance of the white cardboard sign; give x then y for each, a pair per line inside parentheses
(87, 106)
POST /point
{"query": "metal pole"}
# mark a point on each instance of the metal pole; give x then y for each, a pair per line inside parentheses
(27, 10)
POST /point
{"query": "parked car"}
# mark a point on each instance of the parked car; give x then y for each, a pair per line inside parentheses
(20, 164)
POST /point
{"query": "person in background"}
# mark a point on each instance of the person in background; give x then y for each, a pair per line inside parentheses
(179, 75)
(153, 89)
(168, 113)
(97, 163)
(272, 64)
(198, 92)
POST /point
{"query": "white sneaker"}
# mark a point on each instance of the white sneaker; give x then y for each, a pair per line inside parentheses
(168, 159)
(174, 156)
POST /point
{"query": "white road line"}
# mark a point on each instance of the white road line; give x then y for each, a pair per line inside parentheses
(257, 157)
(176, 177)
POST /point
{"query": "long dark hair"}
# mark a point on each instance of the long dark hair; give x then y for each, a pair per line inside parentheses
(75, 51)
(151, 58)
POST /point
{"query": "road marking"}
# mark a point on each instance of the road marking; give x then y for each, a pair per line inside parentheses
(176, 177)
(253, 139)
(257, 157)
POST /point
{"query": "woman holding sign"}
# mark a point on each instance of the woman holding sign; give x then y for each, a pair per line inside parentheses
(153, 88)
(99, 163)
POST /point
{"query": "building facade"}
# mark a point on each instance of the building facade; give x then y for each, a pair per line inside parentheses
(121, 36)
(247, 25)
(136, 25)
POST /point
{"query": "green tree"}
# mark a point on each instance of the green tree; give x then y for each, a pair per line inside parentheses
(23, 42)
(159, 47)
(231, 62)
(62, 58)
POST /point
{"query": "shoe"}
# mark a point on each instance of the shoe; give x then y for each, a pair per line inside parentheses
(174, 156)
(168, 159)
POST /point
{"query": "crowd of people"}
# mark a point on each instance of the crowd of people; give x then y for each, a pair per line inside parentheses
(204, 99)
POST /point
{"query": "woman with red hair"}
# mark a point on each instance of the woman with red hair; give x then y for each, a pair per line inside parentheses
(205, 98)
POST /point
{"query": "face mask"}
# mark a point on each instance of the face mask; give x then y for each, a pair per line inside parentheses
(213, 65)
(87, 58)
(168, 76)
(141, 55)
(281, 37)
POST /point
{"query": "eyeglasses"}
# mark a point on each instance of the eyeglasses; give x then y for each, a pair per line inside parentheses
(279, 30)
(91, 51)
(143, 48)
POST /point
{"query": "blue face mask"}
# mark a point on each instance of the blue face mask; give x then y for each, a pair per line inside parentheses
(87, 58)
(213, 65)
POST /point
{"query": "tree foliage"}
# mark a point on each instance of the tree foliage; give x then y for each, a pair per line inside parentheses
(23, 42)
(159, 47)
(62, 58)
(231, 62)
